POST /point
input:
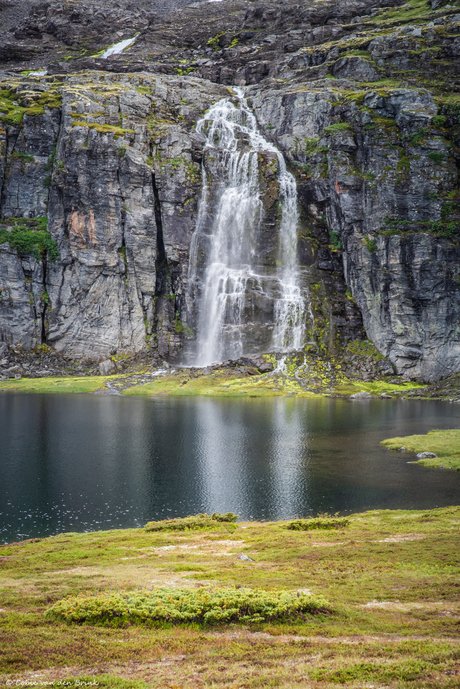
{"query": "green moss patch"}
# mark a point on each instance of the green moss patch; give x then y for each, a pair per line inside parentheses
(444, 444)
(12, 112)
(103, 128)
(338, 127)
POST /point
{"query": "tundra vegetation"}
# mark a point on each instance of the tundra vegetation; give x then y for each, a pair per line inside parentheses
(372, 601)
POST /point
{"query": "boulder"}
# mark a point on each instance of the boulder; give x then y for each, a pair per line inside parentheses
(361, 396)
(106, 367)
(426, 455)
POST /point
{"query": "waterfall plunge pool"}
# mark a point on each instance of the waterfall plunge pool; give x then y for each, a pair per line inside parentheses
(84, 463)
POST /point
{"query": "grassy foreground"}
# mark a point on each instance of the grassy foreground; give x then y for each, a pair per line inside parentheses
(444, 444)
(391, 579)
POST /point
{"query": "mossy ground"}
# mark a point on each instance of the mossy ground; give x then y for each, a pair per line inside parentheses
(392, 577)
(228, 383)
(444, 444)
(218, 383)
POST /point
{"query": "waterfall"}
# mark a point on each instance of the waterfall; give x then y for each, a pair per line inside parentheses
(227, 280)
(118, 48)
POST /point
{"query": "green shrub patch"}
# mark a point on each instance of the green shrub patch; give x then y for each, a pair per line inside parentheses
(322, 522)
(182, 606)
(30, 238)
(196, 522)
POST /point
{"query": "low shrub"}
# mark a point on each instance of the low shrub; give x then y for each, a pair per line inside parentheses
(324, 521)
(31, 239)
(437, 157)
(183, 606)
(191, 523)
(336, 242)
(439, 121)
(371, 244)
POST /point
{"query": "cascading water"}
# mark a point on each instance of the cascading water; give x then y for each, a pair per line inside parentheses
(118, 48)
(226, 278)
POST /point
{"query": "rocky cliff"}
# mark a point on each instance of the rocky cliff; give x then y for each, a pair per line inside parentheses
(101, 169)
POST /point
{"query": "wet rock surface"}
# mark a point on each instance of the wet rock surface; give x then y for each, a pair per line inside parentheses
(361, 98)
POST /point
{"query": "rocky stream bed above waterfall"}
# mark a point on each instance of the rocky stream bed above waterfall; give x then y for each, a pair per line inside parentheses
(105, 173)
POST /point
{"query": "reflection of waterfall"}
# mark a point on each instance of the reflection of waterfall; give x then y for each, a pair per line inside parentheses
(223, 478)
(274, 479)
(288, 459)
(225, 244)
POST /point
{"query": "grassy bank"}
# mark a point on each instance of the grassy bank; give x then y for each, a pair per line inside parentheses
(390, 579)
(218, 383)
(55, 385)
(444, 444)
(227, 383)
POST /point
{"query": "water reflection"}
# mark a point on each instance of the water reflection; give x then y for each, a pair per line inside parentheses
(80, 462)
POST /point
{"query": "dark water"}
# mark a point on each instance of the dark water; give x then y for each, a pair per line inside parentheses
(82, 462)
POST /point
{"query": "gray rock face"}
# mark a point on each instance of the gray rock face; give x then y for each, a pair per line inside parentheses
(383, 205)
(361, 396)
(110, 159)
(122, 223)
(426, 455)
(355, 68)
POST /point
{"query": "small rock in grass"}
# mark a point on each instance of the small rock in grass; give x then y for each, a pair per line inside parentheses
(245, 558)
(426, 455)
(385, 396)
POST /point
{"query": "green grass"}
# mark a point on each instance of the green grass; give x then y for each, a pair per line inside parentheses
(391, 578)
(66, 384)
(444, 444)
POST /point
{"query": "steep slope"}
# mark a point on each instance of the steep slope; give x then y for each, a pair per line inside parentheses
(361, 98)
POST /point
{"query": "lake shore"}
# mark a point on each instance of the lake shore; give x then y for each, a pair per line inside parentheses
(359, 368)
(223, 382)
(390, 577)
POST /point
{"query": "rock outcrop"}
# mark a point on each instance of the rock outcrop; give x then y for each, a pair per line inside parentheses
(101, 168)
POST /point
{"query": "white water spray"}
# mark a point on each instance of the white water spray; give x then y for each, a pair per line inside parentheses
(226, 234)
